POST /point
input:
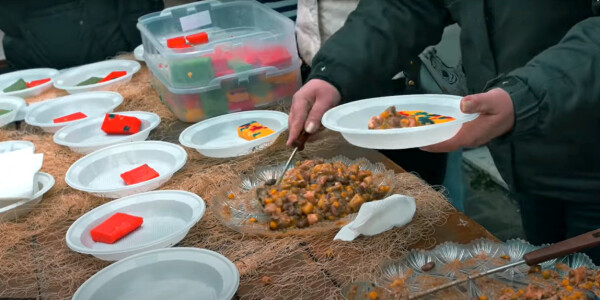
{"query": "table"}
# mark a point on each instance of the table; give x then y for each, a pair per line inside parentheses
(35, 262)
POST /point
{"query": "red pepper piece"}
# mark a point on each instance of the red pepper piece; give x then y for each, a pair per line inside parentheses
(69, 118)
(176, 42)
(139, 174)
(198, 38)
(36, 82)
(119, 124)
(115, 227)
(113, 75)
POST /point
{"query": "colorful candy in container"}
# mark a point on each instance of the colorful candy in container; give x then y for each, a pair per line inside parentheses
(206, 61)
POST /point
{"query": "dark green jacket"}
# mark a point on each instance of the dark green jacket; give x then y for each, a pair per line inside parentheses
(545, 53)
(66, 33)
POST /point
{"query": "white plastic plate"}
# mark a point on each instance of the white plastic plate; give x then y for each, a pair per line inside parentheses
(13, 104)
(138, 53)
(168, 216)
(172, 273)
(352, 119)
(217, 137)
(92, 104)
(12, 211)
(87, 136)
(69, 79)
(99, 172)
(27, 75)
(10, 146)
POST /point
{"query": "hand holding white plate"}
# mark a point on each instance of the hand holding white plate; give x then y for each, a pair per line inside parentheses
(87, 136)
(218, 137)
(71, 78)
(27, 75)
(352, 119)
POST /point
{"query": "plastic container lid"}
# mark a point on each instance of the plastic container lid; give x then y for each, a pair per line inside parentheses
(27, 75)
(168, 216)
(99, 172)
(352, 119)
(69, 79)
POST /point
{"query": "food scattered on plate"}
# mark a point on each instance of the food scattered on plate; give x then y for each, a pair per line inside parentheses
(4, 111)
(69, 118)
(139, 174)
(253, 130)
(390, 118)
(314, 191)
(115, 228)
(21, 84)
(109, 77)
(120, 124)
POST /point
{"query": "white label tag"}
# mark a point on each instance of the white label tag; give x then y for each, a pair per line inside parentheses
(195, 21)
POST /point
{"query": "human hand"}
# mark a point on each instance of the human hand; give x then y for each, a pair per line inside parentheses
(496, 117)
(309, 105)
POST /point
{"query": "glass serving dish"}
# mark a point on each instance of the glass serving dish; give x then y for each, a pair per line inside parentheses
(239, 208)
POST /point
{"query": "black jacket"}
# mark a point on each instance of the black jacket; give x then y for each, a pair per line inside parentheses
(544, 53)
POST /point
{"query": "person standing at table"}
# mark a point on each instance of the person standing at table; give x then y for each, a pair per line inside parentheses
(532, 69)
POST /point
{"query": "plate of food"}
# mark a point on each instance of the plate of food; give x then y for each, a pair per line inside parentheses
(174, 273)
(235, 134)
(126, 169)
(27, 83)
(572, 276)
(135, 224)
(314, 195)
(9, 109)
(52, 115)
(114, 128)
(97, 76)
(398, 122)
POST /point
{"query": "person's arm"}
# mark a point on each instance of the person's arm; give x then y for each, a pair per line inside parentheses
(558, 84)
(379, 39)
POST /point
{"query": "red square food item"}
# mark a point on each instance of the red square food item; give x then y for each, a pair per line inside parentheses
(275, 57)
(176, 42)
(119, 124)
(198, 38)
(139, 174)
(116, 227)
(36, 82)
(69, 118)
(113, 75)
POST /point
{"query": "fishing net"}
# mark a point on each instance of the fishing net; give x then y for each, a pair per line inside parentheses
(36, 263)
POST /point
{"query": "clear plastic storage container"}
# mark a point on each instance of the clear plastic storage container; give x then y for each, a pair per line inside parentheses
(206, 43)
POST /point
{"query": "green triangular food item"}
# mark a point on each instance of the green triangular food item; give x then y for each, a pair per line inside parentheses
(91, 80)
(17, 86)
(4, 111)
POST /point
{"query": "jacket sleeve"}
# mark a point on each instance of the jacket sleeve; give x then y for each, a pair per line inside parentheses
(379, 39)
(558, 84)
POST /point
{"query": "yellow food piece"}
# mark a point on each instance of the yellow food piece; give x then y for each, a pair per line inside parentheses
(252, 220)
(569, 288)
(273, 225)
(253, 130)
(483, 297)
(230, 196)
(546, 274)
(307, 208)
(373, 295)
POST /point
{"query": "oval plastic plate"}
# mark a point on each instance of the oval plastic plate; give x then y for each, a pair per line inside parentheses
(92, 104)
(138, 53)
(10, 146)
(218, 137)
(87, 136)
(99, 172)
(168, 216)
(14, 105)
(27, 75)
(352, 119)
(20, 208)
(69, 79)
(173, 273)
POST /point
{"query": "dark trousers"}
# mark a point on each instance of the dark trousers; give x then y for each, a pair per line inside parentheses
(431, 167)
(550, 220)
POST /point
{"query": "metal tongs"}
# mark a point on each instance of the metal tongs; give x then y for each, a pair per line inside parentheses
(560, 249)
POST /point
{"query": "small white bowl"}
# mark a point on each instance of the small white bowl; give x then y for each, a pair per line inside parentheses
(14, 104)
(173, 273)
(44, 182)
(138, 53)
(92, 104)
(99, 172)
(218, 137)
(168, 216)
(352, 120)
(87, 136)
(69, 79)
(27, 75)
(10, 146)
